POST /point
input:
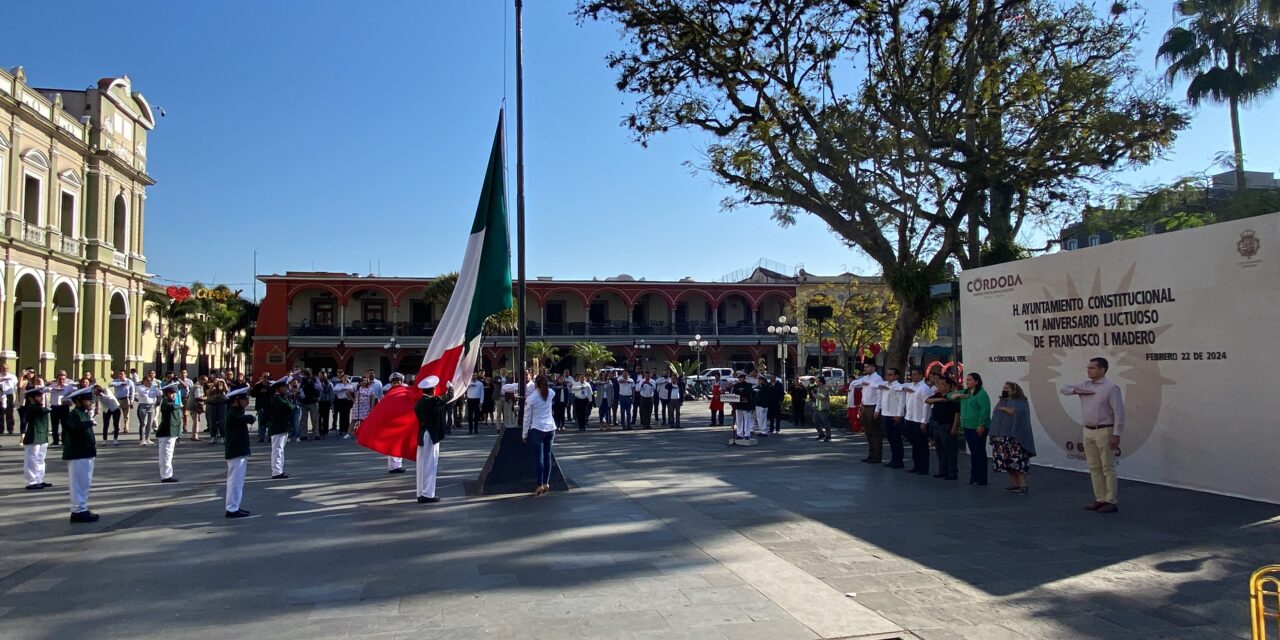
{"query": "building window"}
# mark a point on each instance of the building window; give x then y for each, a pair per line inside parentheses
(322, 313)
(1094, 240)
(68, 219)
(598, 312)
(1071, 244)
(375, 311)
(420, 312)
(31, 196)
(120, 220)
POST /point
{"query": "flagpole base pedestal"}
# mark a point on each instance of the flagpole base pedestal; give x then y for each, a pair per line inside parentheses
(511, 469)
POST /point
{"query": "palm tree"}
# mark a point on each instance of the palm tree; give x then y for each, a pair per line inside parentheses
(504, 322)
(541, 351)
(1229, 52)
(173, 324)
(591, 353)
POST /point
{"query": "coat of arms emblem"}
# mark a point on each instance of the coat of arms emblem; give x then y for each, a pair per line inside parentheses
(1248, 244)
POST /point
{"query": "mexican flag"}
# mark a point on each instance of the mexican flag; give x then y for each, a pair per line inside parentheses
(483, 289)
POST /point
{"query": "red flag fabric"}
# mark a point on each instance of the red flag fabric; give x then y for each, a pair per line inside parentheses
(392, 427)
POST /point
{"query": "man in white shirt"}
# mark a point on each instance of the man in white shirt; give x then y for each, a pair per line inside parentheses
(916, 420)
(581, 390)
(59, 412)
(626, 388)
(475, 393)
(646, 390)
(664, 397)
(8, 393)
(1102, 408)
(890, 410)
(870, 384)
(122, 388)
(145, 394)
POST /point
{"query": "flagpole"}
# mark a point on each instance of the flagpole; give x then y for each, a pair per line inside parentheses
(520, 276)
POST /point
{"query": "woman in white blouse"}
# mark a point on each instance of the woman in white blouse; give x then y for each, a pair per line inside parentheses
(539, 422)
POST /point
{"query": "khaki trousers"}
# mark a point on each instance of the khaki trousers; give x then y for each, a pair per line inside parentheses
(1102, 463)
(875, 432)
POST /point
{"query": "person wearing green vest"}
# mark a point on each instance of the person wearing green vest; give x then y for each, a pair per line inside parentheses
(237, 449)
(79, 448)
(975, 417)
(169, 429)
(35, 439)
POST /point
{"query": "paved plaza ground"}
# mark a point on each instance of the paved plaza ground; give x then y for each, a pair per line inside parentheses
(668, 534)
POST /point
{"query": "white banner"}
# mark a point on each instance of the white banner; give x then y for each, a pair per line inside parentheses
(1188, 321)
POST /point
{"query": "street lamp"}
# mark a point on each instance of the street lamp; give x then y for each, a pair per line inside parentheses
(643, 347)
(782, 330)
(697, 344)
(392, 346)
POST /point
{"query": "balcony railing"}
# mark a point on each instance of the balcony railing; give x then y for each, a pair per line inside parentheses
(535, 330)
(307, 329)
(71, 246)
(33, 234)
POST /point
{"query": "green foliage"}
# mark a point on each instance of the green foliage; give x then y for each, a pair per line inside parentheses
(914, 129)
(682, 369)
(440, 290)
(591, 353)
(540, 352)
(1183, 204)
(861, 314)
(1228, 51)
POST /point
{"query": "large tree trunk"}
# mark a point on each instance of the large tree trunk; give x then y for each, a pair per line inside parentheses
(905, 327)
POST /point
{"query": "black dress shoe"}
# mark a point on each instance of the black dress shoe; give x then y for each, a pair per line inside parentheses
(281, 476)
(238, 514)
(46, 484)
(169, 479)
(938, 475)
(425, 500)
(84, 516)
(33, 487)
(400, 470)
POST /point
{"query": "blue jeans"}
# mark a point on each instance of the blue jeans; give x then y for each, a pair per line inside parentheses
(977, 455)
(541, 441)
(604, 412)
(297, 419)
(628, 415)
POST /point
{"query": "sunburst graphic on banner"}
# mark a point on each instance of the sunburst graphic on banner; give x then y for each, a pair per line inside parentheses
(1140, 379)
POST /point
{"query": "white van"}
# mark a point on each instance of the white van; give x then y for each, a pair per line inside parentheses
(835, 378)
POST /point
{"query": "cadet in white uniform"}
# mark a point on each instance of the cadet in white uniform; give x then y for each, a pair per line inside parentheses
(79, 448)
(168, 430)
(430, 413)
(237, 449)
(35, 440)
(396, 464)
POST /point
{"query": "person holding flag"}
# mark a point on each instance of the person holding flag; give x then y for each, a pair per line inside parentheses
(429, 411)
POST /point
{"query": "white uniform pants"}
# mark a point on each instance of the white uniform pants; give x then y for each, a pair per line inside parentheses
(762, 419)
(33, 462)
(165, 453)
(80, 474)
(394, 463)
(743, 422)
(236, 468)
(428, 464)
(277, 453)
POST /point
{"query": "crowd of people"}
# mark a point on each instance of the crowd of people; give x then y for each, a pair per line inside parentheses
(924, 411)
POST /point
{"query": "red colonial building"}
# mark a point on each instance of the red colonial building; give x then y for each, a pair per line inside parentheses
(345, 321)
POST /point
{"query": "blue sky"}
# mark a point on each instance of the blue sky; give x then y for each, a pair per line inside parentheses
(352, 137)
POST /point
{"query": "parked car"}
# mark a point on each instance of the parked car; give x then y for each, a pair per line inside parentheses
(708, 374)
(835, 378)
